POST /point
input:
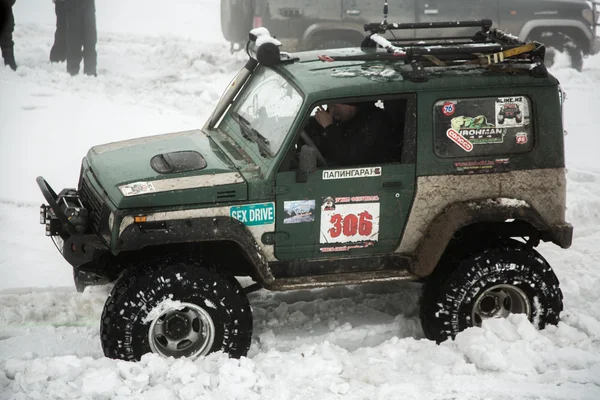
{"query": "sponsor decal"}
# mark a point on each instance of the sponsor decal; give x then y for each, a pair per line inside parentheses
(299, 211)
(477, 130)
(484, 136)
(522, 138)
(254, 214)
(137, 188)
(511, 112)
(349, 222)
(338, 249)
(328, 204)
(483, 166)
(448, 108)
(461, 141)
(368, 172)
(354, 199)
(489, 122)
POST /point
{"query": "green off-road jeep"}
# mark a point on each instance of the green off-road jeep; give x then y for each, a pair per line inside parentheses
(459, 199)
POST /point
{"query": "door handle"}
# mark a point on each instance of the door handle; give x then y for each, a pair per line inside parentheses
(429, 11)
(353, 12)
(392, 185)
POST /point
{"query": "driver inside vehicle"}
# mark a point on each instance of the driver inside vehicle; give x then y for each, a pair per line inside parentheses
(350, 134)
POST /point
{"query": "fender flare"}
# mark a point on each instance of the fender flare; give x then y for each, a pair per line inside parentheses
(202, 229)
(318, 28)
(459, 215)
(554, 23)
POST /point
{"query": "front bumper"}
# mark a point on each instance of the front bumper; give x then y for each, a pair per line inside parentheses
(72, 240)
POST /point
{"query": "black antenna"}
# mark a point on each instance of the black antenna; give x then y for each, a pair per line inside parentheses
(385, 12)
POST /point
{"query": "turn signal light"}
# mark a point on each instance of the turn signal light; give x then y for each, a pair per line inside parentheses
(139, 219)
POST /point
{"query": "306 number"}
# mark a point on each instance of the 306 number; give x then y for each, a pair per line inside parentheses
(351, 224)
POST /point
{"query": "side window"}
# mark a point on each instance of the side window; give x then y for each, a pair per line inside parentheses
(482, 126)
(360, 132)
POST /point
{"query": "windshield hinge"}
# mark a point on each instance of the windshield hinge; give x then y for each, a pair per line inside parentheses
(279, 190)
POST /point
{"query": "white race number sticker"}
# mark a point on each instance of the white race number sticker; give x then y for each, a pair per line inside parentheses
(349, 223)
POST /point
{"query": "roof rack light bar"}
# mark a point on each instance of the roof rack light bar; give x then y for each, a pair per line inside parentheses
(485, 24)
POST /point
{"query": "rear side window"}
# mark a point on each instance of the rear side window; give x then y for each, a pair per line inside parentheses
(482, 126)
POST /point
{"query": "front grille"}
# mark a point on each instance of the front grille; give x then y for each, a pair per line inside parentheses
(92, 203)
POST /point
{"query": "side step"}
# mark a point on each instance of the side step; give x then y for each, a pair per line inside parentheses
(353, 278)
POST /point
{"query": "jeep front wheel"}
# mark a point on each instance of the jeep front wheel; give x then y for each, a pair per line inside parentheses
(176, 310)
(493, 284)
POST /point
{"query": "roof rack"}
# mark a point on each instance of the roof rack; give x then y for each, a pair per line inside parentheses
(486, 47)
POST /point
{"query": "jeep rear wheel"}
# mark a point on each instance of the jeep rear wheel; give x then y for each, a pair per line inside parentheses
(177, 310)
(493, 284)
(561, 42)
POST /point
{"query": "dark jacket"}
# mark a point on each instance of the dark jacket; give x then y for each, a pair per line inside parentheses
(358, 141)
(7, 25)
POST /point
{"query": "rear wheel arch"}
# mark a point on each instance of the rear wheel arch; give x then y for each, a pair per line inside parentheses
(317, 37)
(565, 39)
(561, 33)
(475, 224)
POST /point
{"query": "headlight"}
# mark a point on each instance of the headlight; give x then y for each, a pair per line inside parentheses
(111, 221)
(590, 16)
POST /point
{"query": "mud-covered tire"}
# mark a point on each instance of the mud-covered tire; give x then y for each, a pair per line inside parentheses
(449, 300)
(125, 322)
(560, 42)
(237, 19)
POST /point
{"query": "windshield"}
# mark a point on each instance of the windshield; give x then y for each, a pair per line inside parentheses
(269, 105)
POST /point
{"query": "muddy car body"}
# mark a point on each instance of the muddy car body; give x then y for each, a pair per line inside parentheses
(459, 201)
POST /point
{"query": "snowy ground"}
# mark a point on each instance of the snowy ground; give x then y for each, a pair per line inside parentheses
(161, 69)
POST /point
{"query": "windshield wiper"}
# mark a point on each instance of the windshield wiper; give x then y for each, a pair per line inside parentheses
(251, 134)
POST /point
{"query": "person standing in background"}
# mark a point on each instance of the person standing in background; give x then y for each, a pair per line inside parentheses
(58, 52)
(7, 26)
(76, 33)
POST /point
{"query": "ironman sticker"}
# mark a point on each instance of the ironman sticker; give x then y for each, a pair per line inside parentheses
(459, 140)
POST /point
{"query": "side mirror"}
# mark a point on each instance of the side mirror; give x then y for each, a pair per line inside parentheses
(307, 163)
